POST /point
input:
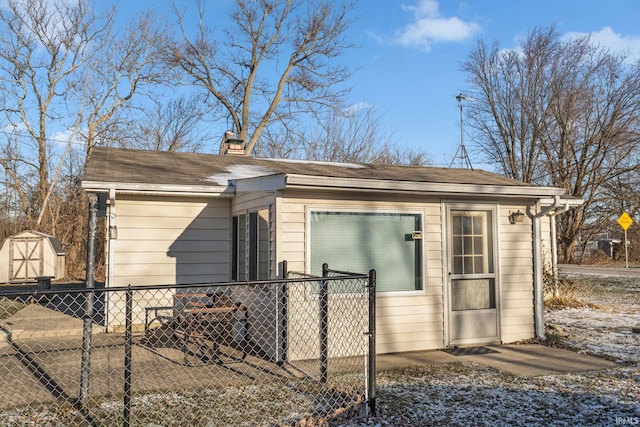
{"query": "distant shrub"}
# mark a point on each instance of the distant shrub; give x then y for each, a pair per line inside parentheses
(598, 257)
(562, 292)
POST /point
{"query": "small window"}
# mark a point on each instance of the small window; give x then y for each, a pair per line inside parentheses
(250, 246)
(359, 241)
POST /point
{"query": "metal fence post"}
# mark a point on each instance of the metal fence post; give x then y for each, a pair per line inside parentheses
(127, 358)
(85, 369)
(324, 324)
(371, 365)
(282, 313)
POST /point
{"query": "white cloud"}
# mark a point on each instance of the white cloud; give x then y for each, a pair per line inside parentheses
(615, 42)
(429, 27)
(63, 137)
(359, 106)
(13, 128)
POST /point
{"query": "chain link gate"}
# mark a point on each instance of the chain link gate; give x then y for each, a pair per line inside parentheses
(251, 353)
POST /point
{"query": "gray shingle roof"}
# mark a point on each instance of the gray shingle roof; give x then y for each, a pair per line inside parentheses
(113, 165)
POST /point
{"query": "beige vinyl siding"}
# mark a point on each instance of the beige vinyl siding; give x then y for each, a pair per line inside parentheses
(171, 240)
(404, 322)
(251, 202)
(167, 240)
(516, 276)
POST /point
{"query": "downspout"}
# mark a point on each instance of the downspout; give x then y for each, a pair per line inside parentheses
(554, 246)
(538, 296)
(112, 235)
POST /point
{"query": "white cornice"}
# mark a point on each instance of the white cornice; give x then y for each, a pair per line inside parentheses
(355, 184)
(160, 189)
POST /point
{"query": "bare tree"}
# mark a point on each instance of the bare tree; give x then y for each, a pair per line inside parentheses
(175, 125)
(42, 45)
(68, 71)
(510, 112)
(126, 62)
(562, 113)
(355, 135)
(277, 61)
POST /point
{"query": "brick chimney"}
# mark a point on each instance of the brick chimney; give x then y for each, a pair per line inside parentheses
(231, 146)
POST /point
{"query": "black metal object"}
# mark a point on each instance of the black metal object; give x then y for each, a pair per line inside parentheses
(44, 282)
(324, 324)
(283, 300)
(126, 400)
(371, 359)
(287, 299)
(85, 369)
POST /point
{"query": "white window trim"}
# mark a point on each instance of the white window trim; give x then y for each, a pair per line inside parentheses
(423, 267)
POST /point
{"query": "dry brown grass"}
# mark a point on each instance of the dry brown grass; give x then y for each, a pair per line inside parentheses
(563, 292)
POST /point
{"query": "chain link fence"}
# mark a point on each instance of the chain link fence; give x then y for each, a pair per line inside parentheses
(256, 353)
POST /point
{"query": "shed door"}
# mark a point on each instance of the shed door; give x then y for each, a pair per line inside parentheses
(26, 258)
(472, 287)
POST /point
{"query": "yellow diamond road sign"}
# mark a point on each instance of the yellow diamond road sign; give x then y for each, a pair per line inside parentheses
(625, 221)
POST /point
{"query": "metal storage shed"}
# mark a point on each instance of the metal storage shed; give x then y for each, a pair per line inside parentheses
(31, 254)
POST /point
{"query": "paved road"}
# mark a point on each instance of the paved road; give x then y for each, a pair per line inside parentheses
(599, 271)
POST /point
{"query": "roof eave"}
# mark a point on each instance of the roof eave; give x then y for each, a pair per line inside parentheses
(163, 189)
(360, 184)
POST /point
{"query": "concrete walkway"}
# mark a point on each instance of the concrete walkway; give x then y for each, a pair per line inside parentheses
(36, 321)
(522, 359)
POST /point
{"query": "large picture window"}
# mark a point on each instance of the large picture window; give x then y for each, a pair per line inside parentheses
(390, 243)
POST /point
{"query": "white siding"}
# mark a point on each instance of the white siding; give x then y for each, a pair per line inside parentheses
(416, 321)
(516, 276)
(167, 240)
(404, 322)
(171, 240)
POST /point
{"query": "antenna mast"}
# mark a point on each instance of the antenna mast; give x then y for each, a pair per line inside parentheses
(461, 152)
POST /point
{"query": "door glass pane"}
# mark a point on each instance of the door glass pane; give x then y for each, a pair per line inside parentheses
(478, 264)
(466, 225)
(477, 225)
(477, 245)
(457, 246)
(476, 294)
(471, 239)
(468, 265)
(457, 225)
(467, 245)
(457, 265)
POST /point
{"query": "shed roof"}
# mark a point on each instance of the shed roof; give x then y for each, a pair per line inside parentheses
(112, 165)
(55, 243)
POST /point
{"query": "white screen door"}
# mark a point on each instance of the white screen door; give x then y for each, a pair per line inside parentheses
(473, 316)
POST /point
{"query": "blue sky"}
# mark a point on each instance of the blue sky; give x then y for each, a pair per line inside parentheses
(411, 52)
(408, 54)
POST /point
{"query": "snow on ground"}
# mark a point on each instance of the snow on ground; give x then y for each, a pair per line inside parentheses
(603, 332)
(469, 394)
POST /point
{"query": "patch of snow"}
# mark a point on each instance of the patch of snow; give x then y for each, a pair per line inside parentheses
(239, 172)
(318, 162)
(608, 332)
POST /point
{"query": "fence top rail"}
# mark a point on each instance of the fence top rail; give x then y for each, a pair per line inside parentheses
(66, 291)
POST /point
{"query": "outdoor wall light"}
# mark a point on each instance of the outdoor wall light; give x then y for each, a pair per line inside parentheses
(516, 217)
